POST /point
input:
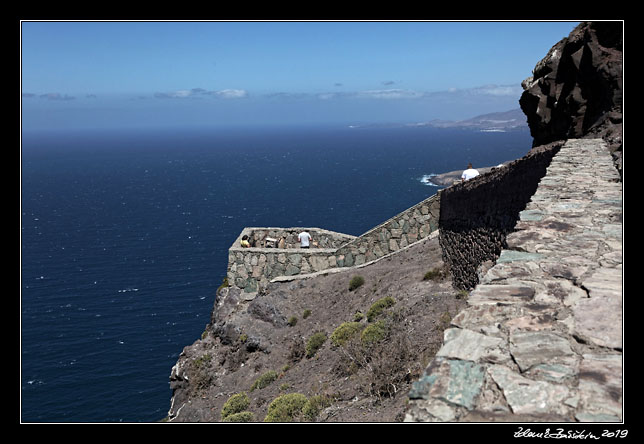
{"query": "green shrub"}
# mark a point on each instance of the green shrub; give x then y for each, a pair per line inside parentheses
(344, 332)
(358, 316)
(224, 284)
(374, 333)
(240, 417)
(286, 408)
(235, 404)
(292, 321)
(356, 281)
(314, 343)
(379, 306)
(306, 313)
(435, 274)
(314, 405)
(264, 380)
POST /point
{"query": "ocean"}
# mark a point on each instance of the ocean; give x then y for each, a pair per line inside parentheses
(124, 238)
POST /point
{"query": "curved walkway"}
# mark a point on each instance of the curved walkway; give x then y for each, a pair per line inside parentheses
(541, 339)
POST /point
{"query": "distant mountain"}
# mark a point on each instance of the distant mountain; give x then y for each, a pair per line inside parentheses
(492, 122)
(500, 121)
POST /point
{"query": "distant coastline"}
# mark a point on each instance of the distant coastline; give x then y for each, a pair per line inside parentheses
(447, 179)
(512, 120)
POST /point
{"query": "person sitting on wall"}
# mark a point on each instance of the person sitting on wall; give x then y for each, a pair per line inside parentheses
(244, 241)
(469, 173)
(305, 238)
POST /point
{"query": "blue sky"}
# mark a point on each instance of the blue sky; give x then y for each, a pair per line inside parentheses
(150, 74)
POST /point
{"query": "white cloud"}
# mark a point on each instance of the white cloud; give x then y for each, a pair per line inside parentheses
(391, 94)
(231, 93)
(197, 92)
(490, 90)
(501, 90)
(181, 93)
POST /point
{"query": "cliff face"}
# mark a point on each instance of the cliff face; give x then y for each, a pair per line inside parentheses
(576, 90)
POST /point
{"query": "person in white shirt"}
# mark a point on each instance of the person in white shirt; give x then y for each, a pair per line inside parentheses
(305, 238)
(469, 173)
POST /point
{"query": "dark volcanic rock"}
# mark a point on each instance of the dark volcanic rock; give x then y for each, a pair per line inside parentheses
(576, 90)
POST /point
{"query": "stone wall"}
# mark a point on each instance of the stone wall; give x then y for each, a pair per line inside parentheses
(541, 338)
(253, 268)
(271, 237)
(402, 230)
(477, 215)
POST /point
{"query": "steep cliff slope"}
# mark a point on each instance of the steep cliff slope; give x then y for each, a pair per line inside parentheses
(576, 90)
(264, 340)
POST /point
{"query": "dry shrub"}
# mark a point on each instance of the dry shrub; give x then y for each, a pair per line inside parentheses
(384, 366)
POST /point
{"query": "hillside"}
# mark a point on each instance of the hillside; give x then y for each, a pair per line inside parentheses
(359, 383)
(500, 121)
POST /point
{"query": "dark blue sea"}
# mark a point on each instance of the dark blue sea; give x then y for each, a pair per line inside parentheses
(124, 238)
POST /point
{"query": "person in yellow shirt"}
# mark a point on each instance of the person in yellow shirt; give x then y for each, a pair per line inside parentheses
(244, 241)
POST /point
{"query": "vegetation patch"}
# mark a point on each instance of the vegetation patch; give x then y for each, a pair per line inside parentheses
(379, 306)
(435, 274)
(240, 417)
(235, 404)
(344, 332)
(373, 333)
(200, 377)
(356, 282)
(224, 284)
(314, 343)
(314, 406)
(286, 408)
(264, 380)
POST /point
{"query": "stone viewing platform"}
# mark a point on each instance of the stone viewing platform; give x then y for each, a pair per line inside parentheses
(541, 338)
(275, 253)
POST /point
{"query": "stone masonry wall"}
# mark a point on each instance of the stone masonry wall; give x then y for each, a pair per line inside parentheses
(263, 237)
(404, 229)
(477, 215)
(253, 268)
(541, 339)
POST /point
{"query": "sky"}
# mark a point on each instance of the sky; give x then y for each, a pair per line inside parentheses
(142, 74)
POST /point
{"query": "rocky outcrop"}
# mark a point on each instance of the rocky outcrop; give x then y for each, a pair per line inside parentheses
(576, 90)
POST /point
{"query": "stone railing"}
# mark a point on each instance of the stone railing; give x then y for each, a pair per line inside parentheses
(252, 268)
(275, 252)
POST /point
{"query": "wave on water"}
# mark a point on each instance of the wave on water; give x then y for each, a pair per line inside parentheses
(427, 180)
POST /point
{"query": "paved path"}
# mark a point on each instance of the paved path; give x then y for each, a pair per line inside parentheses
(541, 339)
